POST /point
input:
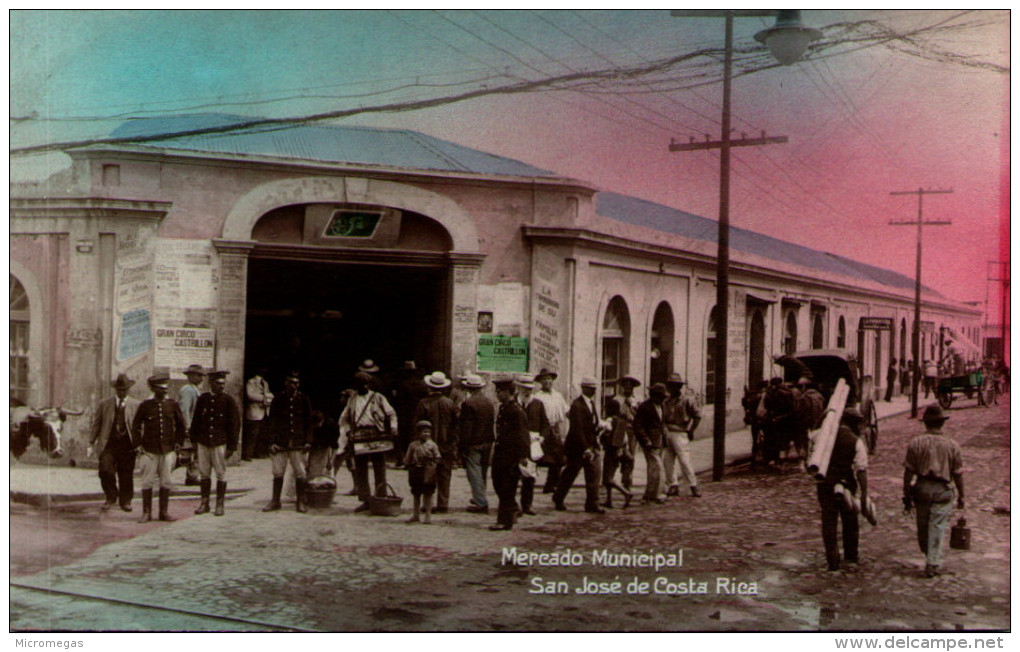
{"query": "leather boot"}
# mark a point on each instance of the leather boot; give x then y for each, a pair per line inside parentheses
(300, 491)
(146, 506)
(203, 507)
(164, 504)
(274, 504)
(221, 494)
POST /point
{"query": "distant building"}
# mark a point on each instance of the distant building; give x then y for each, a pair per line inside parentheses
(316, 247)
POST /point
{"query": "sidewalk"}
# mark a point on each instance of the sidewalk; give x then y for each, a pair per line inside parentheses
(41, 485)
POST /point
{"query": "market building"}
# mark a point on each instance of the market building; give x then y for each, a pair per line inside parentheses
(315, 247)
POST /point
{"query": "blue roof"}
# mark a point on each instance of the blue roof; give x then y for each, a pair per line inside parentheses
(319, 142)
(670, 220)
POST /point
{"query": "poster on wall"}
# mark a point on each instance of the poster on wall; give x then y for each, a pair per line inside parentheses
(545, 331)
(177, 348)
(134, 334)
(505, 354)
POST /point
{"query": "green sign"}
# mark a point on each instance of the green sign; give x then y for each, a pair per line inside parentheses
(498, 353)
(353, 224)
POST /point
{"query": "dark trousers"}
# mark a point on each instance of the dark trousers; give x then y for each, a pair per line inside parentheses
(527, 492)
(252, 446)
(444, 471)
(553, 478)
(361, 474)
(834, 509)
(504, 481)
(116, 471)
(591, 481)
(617, 458)
(889, 390)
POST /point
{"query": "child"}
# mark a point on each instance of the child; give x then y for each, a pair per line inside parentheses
(421, 460)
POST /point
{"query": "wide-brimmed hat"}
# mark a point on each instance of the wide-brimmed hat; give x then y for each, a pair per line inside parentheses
(122, 382)
(194, 369)
(364, 376)
(588, 381)
(409, 365)
(675, 379)
(218, 374)
(369, 367)
(934, 414)
(424, 423)
(546, 372)
(629, 380)
(437, 380)
(473, 381)
(658, 389)
(504, 383)
(526, 381)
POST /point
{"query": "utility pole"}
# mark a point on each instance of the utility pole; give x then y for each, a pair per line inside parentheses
(916, 338)
(789, 39)
(1000, 275)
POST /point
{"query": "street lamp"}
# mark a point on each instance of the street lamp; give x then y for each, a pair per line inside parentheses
(787, 40)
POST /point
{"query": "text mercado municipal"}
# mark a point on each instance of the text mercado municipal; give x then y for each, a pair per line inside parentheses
(604, 558)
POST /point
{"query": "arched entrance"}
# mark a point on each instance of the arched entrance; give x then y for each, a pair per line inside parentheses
(330, 285)
(19, 322)
(661, 347)
(615, 341)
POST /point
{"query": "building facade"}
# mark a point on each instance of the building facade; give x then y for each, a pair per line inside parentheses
(314, 248)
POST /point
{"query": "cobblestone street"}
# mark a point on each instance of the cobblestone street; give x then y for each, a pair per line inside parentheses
(332, 570)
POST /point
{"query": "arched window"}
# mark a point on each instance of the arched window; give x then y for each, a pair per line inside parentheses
(790, 334)
(661, 346)
(818, 331)
(756, 346)
(19, 329)
(710, 358)
(841, 333)
(615, 338)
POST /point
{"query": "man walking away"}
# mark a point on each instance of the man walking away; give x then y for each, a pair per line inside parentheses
(511, 450)
(439, 411)
(556, 411)
(848, 470)
(477, 433)
(936, 461)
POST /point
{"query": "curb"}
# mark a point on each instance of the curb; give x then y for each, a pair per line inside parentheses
(50, 500)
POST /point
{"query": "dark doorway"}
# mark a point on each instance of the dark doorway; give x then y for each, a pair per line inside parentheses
(756, 359)
(323, 319)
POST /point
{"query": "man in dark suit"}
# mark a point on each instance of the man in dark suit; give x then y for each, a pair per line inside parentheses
(512, 448)
(651, 434)
(110, 438)
(477, 431)
(214, 431)
(582, 450)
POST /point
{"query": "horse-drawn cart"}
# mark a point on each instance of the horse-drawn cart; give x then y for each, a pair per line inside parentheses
(826, 367)
(970, 385)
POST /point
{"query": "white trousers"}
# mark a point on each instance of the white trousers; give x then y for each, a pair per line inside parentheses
(678, 449)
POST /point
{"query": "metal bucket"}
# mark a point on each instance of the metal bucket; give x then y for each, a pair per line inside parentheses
(959, 535)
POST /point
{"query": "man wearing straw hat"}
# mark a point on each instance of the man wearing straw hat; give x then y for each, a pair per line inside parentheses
(937, 463)
(538, 430)
(214, 432)
(158, 433)
(556, 412)
(437, 408)
(110, 437)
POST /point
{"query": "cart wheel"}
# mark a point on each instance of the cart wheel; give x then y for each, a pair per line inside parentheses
(945, 399)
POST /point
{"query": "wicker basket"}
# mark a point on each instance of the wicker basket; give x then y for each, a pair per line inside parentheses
(320, 497)
(388, 505)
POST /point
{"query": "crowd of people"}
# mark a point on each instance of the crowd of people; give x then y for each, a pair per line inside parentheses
(439, 426)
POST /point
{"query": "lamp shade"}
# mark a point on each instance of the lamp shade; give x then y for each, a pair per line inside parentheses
(788, 39)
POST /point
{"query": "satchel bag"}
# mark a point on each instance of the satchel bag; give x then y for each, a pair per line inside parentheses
(366, 439)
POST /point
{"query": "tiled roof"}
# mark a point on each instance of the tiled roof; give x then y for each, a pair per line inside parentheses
(670, 220)
(325, 143)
